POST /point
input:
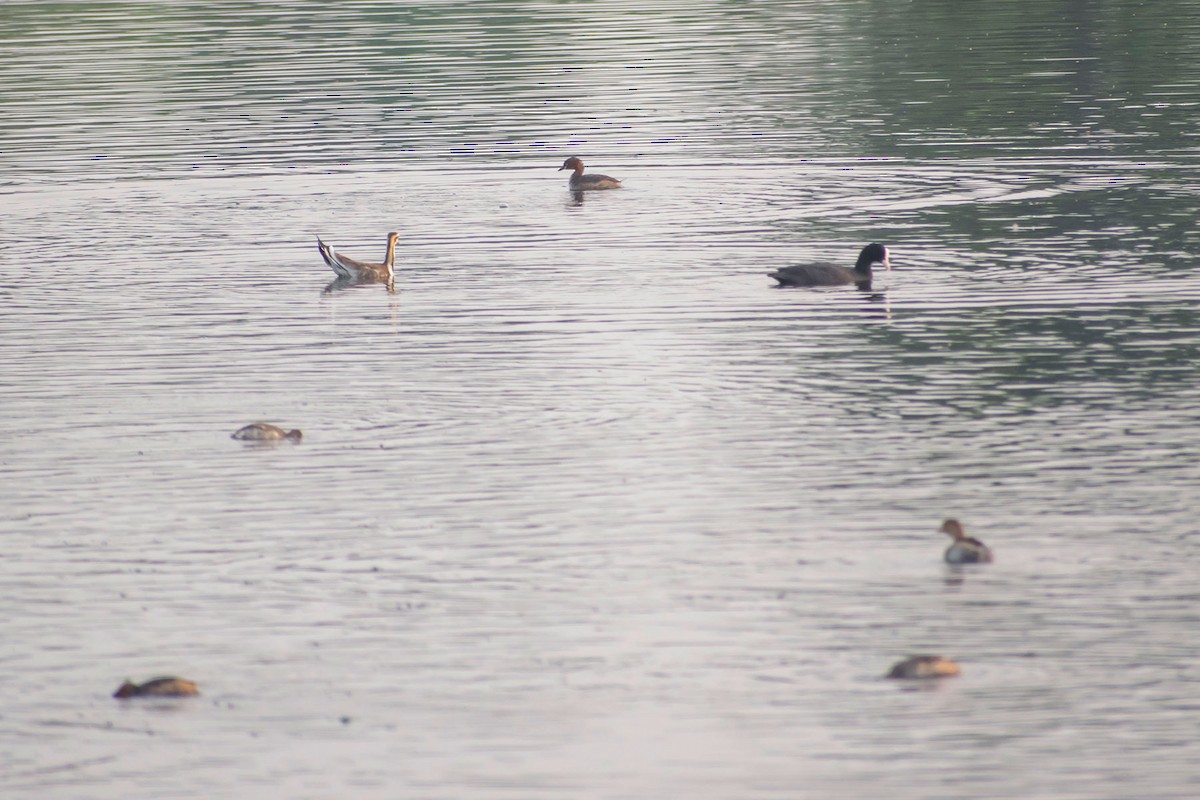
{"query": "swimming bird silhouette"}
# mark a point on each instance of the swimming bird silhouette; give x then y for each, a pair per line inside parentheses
(362, 271)
(829, 275)
(965, 549)
(578, 181)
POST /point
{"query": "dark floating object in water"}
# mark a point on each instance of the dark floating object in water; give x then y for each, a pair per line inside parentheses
(262, 432)
(965, 550)
(578, 181)
(158, 687)
(920, 667)
(361, 271)
(828, 275)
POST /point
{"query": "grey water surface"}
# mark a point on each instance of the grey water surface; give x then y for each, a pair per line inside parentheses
(586, 508)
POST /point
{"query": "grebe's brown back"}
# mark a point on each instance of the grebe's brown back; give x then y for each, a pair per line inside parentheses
(158, 687)
(915, 667)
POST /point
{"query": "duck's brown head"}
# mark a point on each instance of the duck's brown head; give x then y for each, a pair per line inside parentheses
(126, 689)
(954, 529)
(572, 163)
(294, 434)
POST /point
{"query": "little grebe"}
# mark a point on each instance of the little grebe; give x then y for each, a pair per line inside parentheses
(579, 181)
(159, 687)
(965, 550)
(263, 432)
(924, 667)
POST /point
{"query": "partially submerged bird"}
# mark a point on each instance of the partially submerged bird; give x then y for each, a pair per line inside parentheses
(579, 181)
(264, 432)
(362, 271)
(924, 667)
(829, 275)
(158, 687)
(965, 550)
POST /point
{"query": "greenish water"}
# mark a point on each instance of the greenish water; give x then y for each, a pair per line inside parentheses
(587, 507)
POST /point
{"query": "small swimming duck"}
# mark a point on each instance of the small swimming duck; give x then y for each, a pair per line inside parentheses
(579, 181)
(915, 667)
(263, 432)
(158, 687)
(829, 275)
(965, 550)
(361, 271)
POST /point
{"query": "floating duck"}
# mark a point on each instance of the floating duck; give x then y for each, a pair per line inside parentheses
(263, 432)
(158, 687)
(965, 549)
(830, 275)
(361, 271)
(924, 667)
(578, 181)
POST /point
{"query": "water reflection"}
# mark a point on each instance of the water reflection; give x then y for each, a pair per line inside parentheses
(267, 444)
(343, 282)
(575, 197)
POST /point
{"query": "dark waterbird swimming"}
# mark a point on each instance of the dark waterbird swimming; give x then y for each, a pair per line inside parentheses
(923, 667)
(158, 687)
(579, 181)
(265, 432)
(966, 549)
(829, 275)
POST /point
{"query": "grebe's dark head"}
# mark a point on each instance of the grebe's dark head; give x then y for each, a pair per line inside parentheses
(572, 163)
(954, 529)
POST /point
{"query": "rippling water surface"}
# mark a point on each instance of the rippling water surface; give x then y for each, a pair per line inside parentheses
(586, 508)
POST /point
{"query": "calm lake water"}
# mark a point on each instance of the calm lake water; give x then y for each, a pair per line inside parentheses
(587, 508)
